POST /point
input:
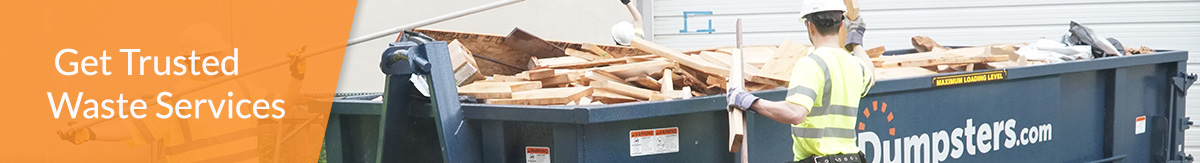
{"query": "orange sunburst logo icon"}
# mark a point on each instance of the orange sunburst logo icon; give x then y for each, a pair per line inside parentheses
(876, 107)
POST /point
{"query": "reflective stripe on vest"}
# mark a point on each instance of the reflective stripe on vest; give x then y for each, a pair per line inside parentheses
(826, 108)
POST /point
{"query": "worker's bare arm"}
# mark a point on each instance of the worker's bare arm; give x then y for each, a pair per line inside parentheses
(780, 111)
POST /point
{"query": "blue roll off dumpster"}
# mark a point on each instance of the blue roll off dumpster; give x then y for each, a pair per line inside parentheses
(1117, 109)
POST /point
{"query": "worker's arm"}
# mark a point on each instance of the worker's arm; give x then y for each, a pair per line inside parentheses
(780, 111)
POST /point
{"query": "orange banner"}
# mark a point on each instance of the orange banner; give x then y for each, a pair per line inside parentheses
(169, 81)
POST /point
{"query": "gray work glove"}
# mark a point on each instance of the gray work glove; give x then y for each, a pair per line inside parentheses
(625, 2)
(854, 32)
(739, 98)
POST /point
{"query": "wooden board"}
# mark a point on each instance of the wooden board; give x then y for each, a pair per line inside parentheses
(545, 96)
(636, 69)
(603, 62)
(645, 82)
(466, 70)
(557, 80)
(779, 69)
(719, 59)
(536, 74)
(493, 46)
(926, 44)
(497, 90)
(583, 54)
(598, 51)
(622, 89)
(678, 57)
(532, 45)
(736, 130)
(600, 75)
(565, 60)
(610, 98)
(900, 72)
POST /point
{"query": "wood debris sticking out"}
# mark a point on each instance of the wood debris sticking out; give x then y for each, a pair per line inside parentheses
(600, 75)
(547, 96)
(585, 55)
(466, 70)
(497, 90)
(876, 52)
(779, 69)
(637, 69)
(532, 45)
(645, 82)
(610, 98)
(926, 44)
(599, 51)
(678, 57)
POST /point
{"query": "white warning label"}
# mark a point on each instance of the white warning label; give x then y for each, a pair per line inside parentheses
(653, 141)
(537, 154)
(1139, 125)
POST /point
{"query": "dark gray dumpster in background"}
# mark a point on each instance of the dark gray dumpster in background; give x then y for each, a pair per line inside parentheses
(1122, 109)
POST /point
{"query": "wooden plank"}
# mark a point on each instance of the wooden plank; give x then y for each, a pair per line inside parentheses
(610, 98)
(622, 89)
(779, 69)
(678, 57)
(603, 62)
(583, 54)
(536, 74)
(497, 90)
(545, 96)
(900, 72)
(601, 75)
(637, 69)
(599, 51)
(556, 81)
(645, 82)
(532, 45)
(718, 59)
(565, 60)
(667, 82)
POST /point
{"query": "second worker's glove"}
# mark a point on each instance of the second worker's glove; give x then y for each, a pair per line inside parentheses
(854, 32)
(625, 2)
(738, 97)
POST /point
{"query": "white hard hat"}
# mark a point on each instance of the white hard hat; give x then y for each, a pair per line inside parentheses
(623, 33)
(814, 6)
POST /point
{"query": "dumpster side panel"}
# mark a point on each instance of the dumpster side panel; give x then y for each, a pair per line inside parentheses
(984, 122)
(699, 134)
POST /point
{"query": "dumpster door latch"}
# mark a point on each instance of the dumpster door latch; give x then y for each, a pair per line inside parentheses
(1183, 81)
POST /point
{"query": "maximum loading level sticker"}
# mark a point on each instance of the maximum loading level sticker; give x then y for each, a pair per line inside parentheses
(970, 78)
(653, 141)
(537, 154)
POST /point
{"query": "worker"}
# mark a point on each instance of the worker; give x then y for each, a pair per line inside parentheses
(623, 33)
(824, 89)
(194, 140)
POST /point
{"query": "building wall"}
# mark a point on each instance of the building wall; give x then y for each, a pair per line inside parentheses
(565, 20)
(1160, 24)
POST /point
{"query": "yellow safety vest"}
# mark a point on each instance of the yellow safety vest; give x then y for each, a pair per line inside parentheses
(829, 82)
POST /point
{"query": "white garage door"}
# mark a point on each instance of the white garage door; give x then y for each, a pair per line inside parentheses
(1161, 24)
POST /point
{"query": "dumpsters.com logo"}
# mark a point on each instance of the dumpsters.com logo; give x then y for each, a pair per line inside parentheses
(948, 144)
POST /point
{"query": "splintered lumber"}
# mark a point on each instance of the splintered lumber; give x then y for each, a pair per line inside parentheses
(678, 57)
(876, 52)
(926, 44)
(610, 98)
(636, 69)
(536, 74)
(622, 89)
(545, 96)
(779, 69)
(598, 51)
(497, 90)
(645, 82)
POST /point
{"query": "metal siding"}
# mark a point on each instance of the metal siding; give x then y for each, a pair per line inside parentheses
(1160, 24)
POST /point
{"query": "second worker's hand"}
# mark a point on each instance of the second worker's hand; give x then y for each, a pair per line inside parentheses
(625, 2)
(739, 98)
(854, 32)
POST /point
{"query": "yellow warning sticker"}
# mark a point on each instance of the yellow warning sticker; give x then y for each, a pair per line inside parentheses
(969, 78)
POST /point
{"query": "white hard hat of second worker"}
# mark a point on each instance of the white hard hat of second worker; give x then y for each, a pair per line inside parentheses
(624, 33)
(814, 6)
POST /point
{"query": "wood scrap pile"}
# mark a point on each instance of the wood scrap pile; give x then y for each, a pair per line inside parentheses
(522, 69)
(933, 58)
